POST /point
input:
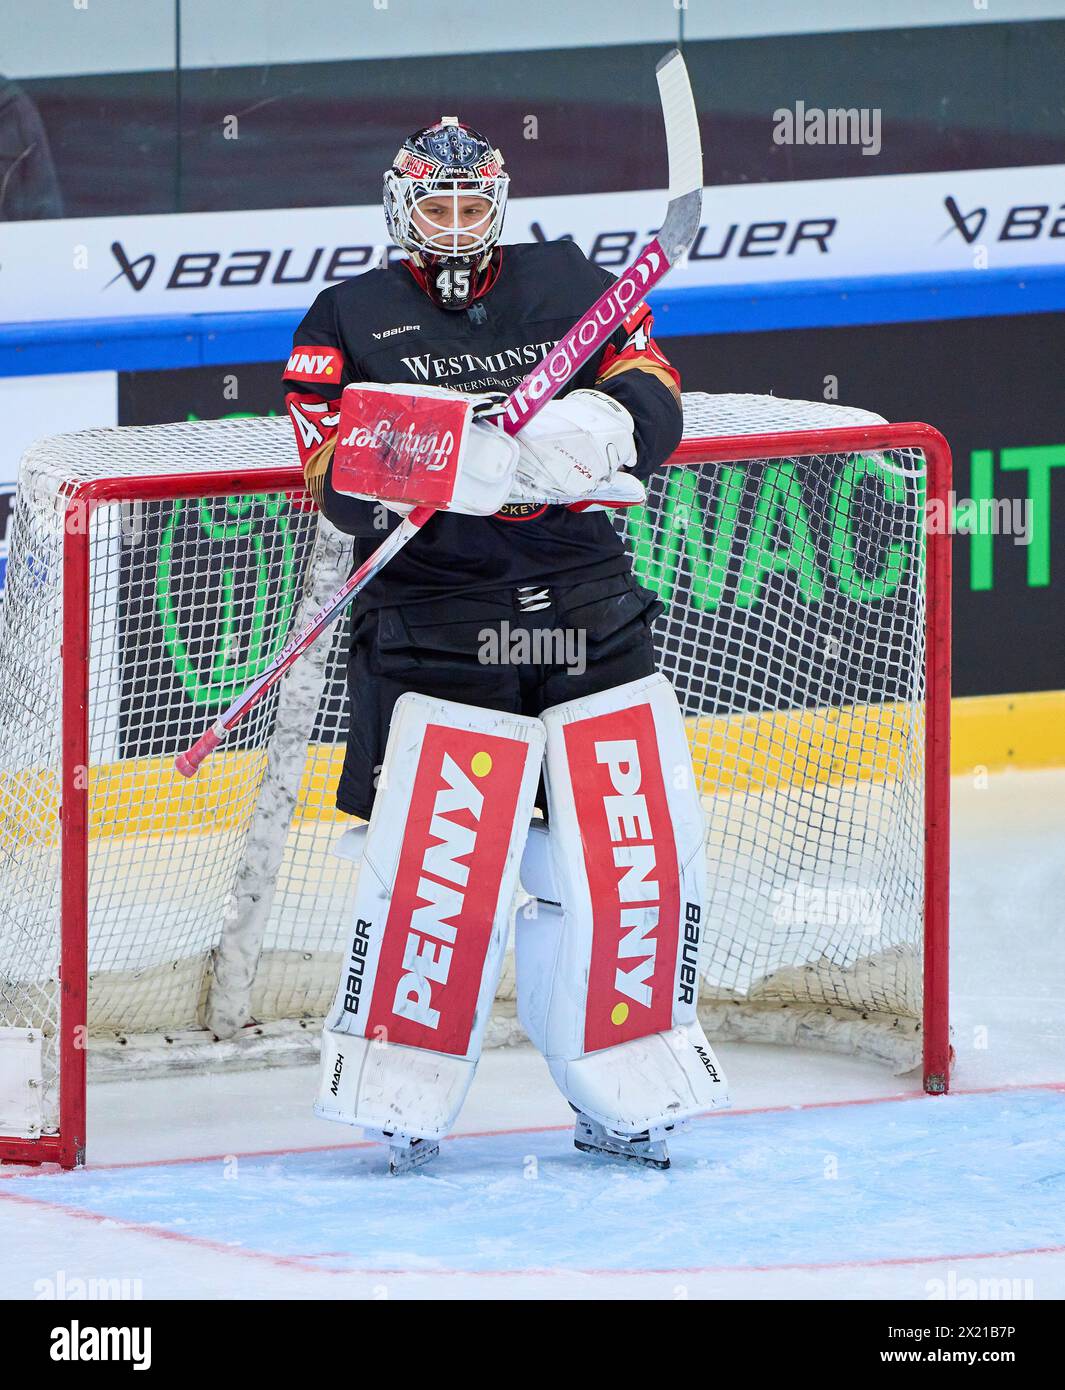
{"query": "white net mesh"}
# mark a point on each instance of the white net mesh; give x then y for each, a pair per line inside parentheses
(794, 634)
(794, 637)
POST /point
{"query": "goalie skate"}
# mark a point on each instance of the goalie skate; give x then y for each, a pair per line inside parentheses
(407, 1152)
(648, 1148)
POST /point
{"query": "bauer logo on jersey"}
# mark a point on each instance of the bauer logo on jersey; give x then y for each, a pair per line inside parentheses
(320, 364)
(400, 444)
(440, 919)
(630, 858)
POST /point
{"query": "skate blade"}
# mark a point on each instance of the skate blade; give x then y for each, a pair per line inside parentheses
(405, 1158)
(628, 1154)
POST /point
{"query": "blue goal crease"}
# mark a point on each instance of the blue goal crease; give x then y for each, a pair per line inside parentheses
(915, 1179)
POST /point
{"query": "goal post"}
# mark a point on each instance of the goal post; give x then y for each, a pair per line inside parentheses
(149, 924)
(921, 444)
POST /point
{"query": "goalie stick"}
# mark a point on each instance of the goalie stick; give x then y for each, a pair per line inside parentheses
(546, 379)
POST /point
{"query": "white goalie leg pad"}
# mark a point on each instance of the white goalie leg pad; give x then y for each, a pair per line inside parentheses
(433, 905)
(537, 936)
(607, 963)
(351, 844)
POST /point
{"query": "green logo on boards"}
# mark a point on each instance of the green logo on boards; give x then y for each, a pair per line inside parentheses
(225, 589)
(818, 537)
(1024, 520)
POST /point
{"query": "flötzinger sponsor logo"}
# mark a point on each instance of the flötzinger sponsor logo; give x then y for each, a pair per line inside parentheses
(431, 450)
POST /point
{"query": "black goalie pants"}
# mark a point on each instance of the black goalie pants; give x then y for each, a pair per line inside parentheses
(520, 651)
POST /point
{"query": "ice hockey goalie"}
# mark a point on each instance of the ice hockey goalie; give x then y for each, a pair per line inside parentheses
(501, 673)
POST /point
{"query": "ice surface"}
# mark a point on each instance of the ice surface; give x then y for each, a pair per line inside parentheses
(803, 1192)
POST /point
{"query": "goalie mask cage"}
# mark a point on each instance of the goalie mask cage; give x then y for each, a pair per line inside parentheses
(148, 922)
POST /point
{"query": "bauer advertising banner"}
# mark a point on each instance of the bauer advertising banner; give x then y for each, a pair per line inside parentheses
(758, 233)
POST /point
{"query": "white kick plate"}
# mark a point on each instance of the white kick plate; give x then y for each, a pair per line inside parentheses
(21, 1083)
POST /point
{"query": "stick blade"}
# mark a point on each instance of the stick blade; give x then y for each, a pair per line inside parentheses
(683, 145)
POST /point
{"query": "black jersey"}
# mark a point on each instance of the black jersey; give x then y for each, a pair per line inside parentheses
(382, 326)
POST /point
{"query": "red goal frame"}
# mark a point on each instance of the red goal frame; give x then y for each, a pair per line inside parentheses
(67, 1148)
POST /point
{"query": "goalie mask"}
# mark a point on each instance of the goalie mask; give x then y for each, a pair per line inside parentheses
(445, 196)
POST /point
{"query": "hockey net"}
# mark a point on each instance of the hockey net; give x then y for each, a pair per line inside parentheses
(153, 572)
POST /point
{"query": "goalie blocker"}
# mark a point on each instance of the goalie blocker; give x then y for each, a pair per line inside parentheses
(414, 445)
